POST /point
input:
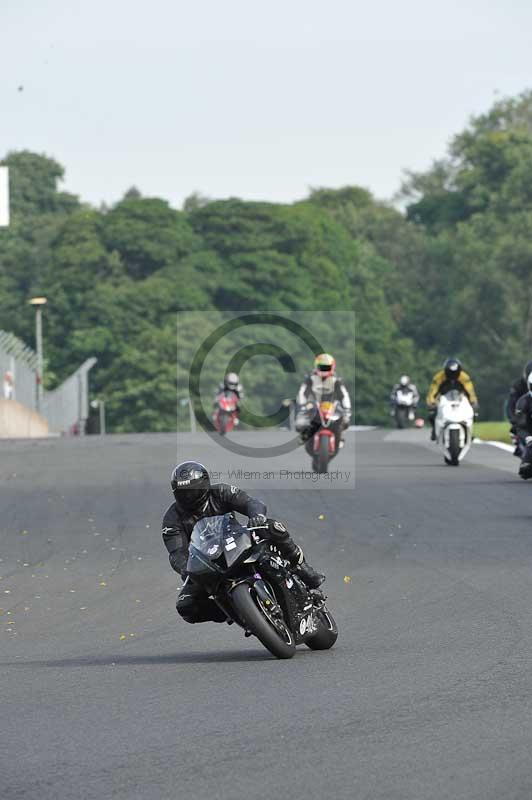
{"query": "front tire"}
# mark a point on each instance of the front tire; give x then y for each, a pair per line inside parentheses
(454, 447)
(401, 417)
(247, 605)
(322, 459)
(327, 633)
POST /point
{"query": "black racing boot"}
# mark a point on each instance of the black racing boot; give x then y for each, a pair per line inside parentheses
(309, 576)
(304, 435)
(525, 470)
(294, 555)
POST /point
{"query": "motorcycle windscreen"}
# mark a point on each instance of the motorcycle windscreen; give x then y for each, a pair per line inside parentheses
(454, 396)
(214, 537)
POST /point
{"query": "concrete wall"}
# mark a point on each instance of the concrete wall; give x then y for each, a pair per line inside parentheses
(19, 422)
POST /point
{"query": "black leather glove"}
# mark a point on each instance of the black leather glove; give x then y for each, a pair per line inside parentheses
(258, 521)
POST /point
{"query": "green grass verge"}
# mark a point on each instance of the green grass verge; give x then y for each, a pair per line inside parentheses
(493, 431)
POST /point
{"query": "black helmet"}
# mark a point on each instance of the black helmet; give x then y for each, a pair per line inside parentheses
(527, 370)
(452, 368)
(190, 484)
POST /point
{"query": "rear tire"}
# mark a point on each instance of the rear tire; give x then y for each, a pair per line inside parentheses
(326, 635)
(322, 458)
(454, 447)
(246, 604)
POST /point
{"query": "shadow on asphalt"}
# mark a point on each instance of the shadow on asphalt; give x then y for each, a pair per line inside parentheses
(124, 660)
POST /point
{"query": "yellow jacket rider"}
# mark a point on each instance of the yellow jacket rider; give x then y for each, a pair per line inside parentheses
(450, 377)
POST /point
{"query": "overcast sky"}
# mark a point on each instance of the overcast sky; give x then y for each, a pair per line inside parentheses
(256, 100)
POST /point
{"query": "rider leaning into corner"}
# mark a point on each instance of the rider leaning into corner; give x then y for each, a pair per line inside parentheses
(523, 427)
(450, 377)
(196, 498)
(322, 384)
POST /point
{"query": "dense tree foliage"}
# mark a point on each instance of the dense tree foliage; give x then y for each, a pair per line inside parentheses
(450, 276)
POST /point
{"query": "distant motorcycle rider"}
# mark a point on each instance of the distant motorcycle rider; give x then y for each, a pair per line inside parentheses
(322, 384)
(523, 428)
(196, 498)
(451, 376)
(406, 385)
(231, 383)
(517, 390)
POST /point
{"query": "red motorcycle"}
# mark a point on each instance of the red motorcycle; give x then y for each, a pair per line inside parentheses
(327, 438)
(325, 418)
(226, 412)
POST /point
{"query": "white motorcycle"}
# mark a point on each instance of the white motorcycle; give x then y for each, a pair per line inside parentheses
(403, 407)
(454, 426)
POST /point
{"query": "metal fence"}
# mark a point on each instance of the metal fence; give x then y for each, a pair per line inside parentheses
(18, 369)
(66, 408)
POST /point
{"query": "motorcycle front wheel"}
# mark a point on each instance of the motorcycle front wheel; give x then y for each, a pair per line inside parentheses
(454, 447)
(322, 457)
(222, 424)
(271, 631)
(401, 417)
(327, 632)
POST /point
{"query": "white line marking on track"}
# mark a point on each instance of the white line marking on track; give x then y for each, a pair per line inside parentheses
(501, 445)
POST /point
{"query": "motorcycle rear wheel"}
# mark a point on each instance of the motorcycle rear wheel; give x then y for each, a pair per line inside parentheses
(256, 620)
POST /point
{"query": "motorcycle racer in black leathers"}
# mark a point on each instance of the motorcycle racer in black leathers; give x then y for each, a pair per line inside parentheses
(517, 390)
(196, 498)
(523, 429)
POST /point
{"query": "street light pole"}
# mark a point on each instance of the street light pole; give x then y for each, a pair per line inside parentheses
(100, 405)
(38, 303)
(102, 418)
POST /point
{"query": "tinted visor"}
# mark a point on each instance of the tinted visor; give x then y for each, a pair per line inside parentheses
(191, 496)
(453, 369)
(324, 367)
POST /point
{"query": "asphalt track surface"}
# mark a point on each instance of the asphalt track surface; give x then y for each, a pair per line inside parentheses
(106, 694)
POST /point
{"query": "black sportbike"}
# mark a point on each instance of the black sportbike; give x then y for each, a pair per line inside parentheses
(247, 578)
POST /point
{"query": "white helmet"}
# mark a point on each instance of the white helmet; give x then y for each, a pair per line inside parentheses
(231, 381)
(404, 380)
